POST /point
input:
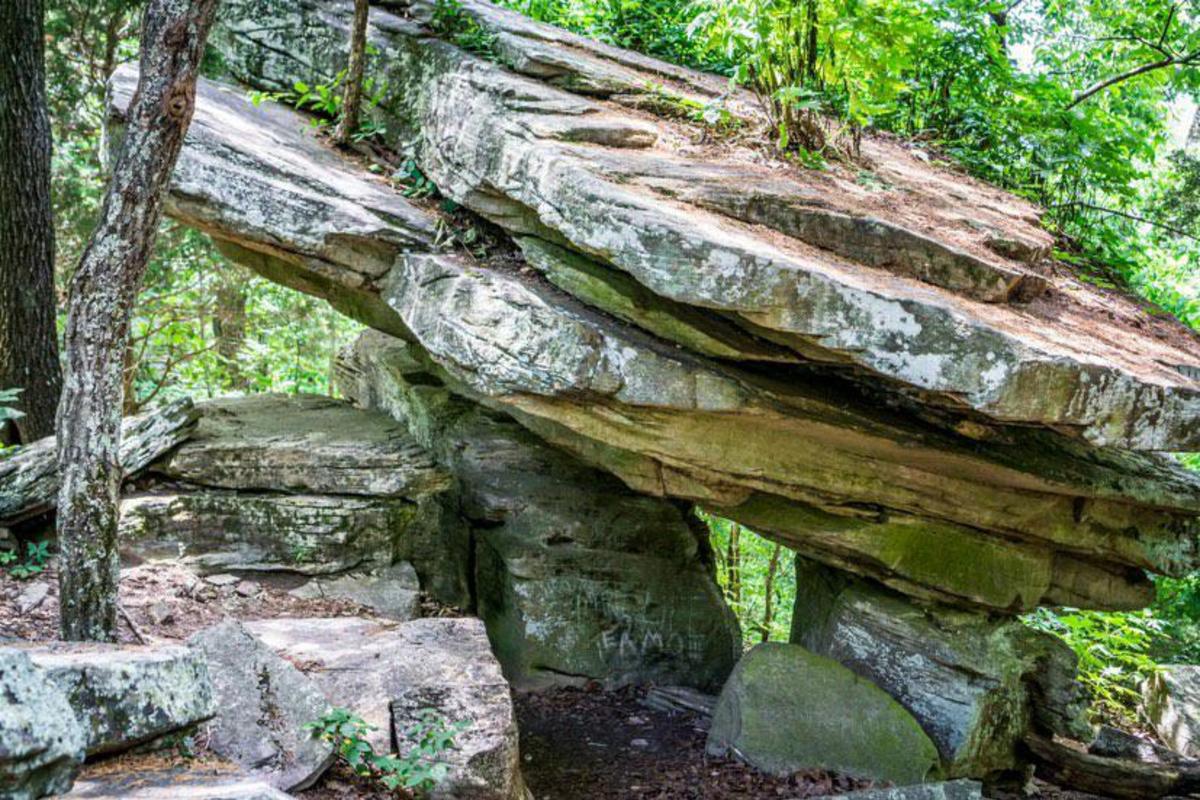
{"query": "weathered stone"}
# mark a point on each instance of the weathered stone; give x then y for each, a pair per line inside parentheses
(393, 592)
(41, 740)
(974, 684)
(951, 790)
(125, 695)
(29, 479)
(218, 530)
(900, 298)
(785, 709)
(386, 673)
(1048, 520)
(263, 704)
(32, 596)
(304, 444)
(577, 577)
(1171, 703)
(208, 781)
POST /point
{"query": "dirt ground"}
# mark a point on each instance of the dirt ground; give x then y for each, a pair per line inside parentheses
(576, 744)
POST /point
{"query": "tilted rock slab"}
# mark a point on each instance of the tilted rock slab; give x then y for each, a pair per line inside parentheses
(41, 740)
(786, 709)
(576, 576)
(393, 592)
(1007, 522)
(263, 704)
(928, 279)
(125, 695)
(386, 673)
(976, 685)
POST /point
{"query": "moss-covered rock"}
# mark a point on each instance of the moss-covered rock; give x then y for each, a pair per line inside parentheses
(786, 709)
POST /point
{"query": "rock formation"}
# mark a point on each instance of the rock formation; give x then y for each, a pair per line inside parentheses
(889, 376)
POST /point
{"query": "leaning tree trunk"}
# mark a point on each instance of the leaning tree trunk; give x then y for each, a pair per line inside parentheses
(102, 296)
(28, 341)
(352, 98)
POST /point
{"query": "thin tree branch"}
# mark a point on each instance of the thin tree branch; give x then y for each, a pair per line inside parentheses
(1131, 217)
(1190, 58)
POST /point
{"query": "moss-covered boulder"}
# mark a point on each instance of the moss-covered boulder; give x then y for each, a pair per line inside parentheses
(786, 708)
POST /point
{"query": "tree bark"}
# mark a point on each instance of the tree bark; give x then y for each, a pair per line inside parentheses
(102, 295)
(769, 588)
(352, 98)
(28, 338)
(734, 564)
(229, 325)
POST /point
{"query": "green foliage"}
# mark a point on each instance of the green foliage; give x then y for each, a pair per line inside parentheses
(419, 767)
(324, 99)
(744, 571)
(1115, 652)
(7, 412)
(453, 22)
(36, 556)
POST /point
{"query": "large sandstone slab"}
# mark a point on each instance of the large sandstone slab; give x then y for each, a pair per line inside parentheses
(220, 530)
(577, 577)
(813, 461)
(786, 709)
(125, 695)
(920, 279)
(263, 704)
(41, 740)
(304, 444)
(386, 673)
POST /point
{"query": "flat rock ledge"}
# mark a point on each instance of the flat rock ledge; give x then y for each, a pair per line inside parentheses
(126, 695)
(154, 781)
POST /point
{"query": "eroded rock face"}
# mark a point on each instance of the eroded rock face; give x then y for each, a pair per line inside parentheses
(125, 695)
(1171, 703)
(393, 592)
(975, 685)
(263, 704)
(41, 740)
(577, 577)
(1029, 517)
(386, 673)
(785, 709)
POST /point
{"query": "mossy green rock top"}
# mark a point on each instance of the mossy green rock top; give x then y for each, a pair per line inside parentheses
(786, 708)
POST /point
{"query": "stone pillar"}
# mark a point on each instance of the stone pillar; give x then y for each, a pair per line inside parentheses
(975, 683)
(576, 576)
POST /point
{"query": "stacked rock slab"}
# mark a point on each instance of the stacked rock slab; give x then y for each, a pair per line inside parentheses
(576, 576)
(304, 484)
(889, 378)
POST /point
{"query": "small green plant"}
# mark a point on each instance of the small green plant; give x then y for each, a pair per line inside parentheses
(323, 99)
(418, 768)
(36, 556)
(416, 184)
(302, 553)
(456, 25)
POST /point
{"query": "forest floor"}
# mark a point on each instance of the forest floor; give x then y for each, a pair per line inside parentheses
(576, 744)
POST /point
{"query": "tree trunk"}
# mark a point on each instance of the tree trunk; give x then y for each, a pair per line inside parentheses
(352, 98)
(734, 564)
(769, 601)
(102, 295)
(229, 325)
(28, 339)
